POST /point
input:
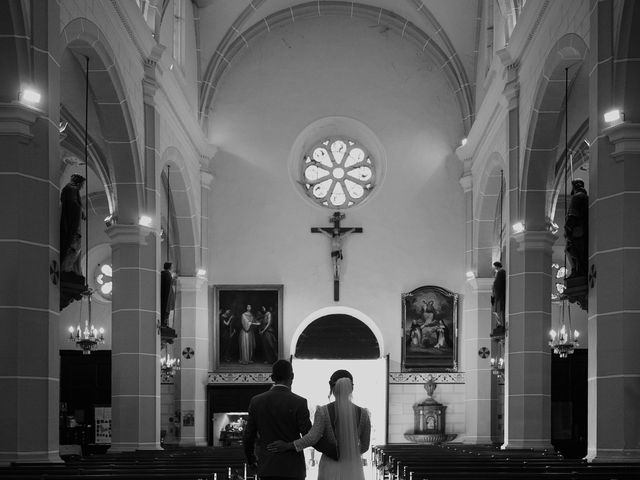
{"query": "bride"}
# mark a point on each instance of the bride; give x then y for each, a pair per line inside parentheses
(351, 431)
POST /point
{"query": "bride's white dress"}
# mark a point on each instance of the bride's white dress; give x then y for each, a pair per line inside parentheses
(349, 467)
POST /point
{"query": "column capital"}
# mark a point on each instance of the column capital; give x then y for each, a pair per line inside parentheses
(206, 178)
(152, 74)
(480, 284)
(625, 138)
(18, 119)
(466, 181)
(534, 240)
(190, 284)
(129, 234)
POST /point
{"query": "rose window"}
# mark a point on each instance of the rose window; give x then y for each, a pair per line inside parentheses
(338, 173)
(104, 280)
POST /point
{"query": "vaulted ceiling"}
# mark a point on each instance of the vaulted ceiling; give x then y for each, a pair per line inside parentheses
(446, 29)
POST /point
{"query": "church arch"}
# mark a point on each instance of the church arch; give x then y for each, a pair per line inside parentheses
(329, 316)
(446, 59)
(83, 38)
(627, 77)
(545, 123)
(184, 225)
(486, 215)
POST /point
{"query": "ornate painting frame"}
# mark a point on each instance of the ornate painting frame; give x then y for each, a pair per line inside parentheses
(246, 340)
(429, 330)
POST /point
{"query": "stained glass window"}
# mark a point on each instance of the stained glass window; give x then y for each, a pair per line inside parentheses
(338, 173)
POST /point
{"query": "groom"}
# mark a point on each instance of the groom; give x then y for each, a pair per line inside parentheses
(277, 414)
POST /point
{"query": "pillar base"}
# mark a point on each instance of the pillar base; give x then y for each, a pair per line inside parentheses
(132, 447)
(613, 456)
(193, 442)
(28, 458)
(537, 445)
(477, 440)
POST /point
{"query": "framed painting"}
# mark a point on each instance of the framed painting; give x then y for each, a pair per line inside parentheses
(247, 327)
(429, 330)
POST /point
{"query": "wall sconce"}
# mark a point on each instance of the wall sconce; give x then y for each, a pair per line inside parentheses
(202, 273)
(518, 227)
(145, 221)
(470, 275)
(614, 116)
(30, 96)
(463, 142)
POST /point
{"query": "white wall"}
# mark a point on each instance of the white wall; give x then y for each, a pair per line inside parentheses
(414, 222)
(413, 225)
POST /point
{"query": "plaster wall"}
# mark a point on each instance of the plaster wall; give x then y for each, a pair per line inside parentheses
(414, 221)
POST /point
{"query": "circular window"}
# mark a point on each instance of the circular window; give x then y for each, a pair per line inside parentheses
(104, 280)
(338, 173)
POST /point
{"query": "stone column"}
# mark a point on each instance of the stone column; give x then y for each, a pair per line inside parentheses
(29, 236)
(528, 356)
(614, 236)
(135, 364)
(193, 343)
(478, 376)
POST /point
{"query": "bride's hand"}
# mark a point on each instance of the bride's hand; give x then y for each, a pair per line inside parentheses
(279, 446)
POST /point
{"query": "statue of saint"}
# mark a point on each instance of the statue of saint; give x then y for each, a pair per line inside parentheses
(71, 216)
(167, 294)
(498, 294)
(576, 230)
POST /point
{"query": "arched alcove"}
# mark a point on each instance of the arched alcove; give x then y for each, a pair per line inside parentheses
(337, 335)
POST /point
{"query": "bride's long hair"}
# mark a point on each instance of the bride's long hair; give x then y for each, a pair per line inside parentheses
(346, 424)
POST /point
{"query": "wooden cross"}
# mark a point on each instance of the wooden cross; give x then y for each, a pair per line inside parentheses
(336, 234)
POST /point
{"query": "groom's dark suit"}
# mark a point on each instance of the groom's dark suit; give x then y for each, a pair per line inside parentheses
(277, 414)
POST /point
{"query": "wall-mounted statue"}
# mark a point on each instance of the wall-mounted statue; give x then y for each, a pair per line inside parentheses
(71, 216)
(167, 294)
(72, 282)
(498, 296)
(576, 230)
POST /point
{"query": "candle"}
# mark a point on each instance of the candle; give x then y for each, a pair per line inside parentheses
(229, 474)
(245, 471)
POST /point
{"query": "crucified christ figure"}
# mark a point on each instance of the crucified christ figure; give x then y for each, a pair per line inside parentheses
(336, 234)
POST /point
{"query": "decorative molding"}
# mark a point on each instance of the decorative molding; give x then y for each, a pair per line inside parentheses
(466, 182)
(238, 377)
(190, 284)
(129, 234)
(481, 284)
(18, 119)
(206, 178)
(419, 378)
(534, 240)
(625, 138)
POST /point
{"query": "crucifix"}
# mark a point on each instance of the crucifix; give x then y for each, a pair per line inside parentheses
(336, 234)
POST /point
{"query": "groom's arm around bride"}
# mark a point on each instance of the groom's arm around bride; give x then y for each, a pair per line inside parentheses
(278, 414)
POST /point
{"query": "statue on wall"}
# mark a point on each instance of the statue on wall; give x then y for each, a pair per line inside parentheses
(498, 296)
(72, 282)
(167, 294)
(71, 216)
(576, 230)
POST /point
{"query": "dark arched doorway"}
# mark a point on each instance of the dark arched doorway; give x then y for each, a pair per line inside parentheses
(337, 336)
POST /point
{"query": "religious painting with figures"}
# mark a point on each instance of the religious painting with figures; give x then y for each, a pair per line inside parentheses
(430, 329)
(247, 327)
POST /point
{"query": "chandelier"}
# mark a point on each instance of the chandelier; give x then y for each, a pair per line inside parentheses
(497, 360)
(168, 367)
(89, 337)
(564, 341)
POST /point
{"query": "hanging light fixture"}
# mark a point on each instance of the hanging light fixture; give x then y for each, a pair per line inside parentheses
(168, 366)
(87, 338)
(564, 341)
(497, 360)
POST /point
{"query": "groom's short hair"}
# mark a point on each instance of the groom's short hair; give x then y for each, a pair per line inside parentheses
(281, 370)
